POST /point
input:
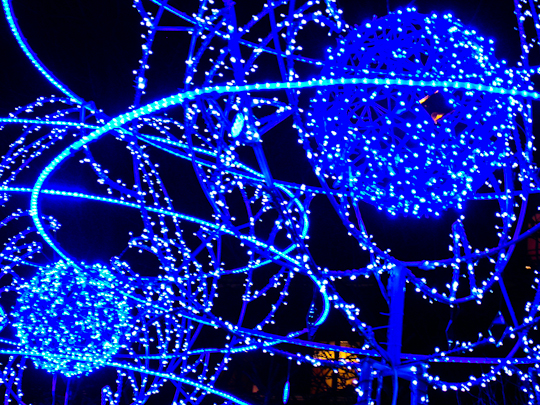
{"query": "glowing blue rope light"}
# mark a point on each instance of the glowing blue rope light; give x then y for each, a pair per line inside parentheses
(178, 98)
(24, 121)
(12, 21)
(210, 163)
(220, 228)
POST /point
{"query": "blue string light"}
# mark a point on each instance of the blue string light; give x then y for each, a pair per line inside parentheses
(410, 113)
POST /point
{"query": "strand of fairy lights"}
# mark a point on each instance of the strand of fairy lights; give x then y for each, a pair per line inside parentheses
(181, 97)
(383, 83)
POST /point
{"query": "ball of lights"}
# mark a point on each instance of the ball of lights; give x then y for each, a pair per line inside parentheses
(74, 317)
(401, 147)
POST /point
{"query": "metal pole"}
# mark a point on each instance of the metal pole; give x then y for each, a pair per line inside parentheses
(419, 387)
(395, 327)
(365, 383)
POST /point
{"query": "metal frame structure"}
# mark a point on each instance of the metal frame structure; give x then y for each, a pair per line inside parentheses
(411, 114)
